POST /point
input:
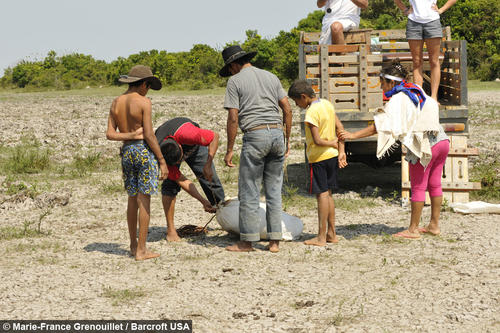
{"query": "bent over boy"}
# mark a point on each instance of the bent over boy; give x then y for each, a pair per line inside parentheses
(181, 139)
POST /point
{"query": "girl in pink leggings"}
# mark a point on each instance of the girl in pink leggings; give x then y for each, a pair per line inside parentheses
(411, 118)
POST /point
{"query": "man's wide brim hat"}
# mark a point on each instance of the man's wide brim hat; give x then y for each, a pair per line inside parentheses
(141, 72)
(231, 54)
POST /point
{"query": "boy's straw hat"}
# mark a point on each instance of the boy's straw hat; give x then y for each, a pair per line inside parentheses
(141, 72)
(231, 54)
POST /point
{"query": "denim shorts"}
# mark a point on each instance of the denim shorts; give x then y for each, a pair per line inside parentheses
(420, 31)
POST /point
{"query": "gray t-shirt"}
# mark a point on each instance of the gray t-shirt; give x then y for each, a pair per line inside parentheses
(255, 93)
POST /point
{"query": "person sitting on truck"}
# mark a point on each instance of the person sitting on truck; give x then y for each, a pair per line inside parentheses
(424, 26)
(413, 119)
(325, 154)
(340, 16)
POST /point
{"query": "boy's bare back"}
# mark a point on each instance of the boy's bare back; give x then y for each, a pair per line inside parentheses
(127, 111)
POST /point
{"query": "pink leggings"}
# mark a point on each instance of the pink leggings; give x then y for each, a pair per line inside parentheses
(430, 178)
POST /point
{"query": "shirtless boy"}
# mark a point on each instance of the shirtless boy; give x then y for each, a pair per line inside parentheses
(129, 113)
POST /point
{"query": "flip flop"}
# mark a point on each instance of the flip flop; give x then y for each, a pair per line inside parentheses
(405, 234)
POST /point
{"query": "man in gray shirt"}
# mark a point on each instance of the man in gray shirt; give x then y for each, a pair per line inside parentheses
(253, 99)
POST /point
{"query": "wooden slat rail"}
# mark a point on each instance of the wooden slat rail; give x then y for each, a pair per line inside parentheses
(331, 48)
(453, 151)
(406, 56)
(393, 34)
(451, 186)
(342, 59)
(313, 71)
(354, 36)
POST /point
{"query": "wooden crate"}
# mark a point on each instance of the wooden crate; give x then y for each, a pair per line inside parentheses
(393, 44)
(453, 85)
(455, 177)
(344, 74)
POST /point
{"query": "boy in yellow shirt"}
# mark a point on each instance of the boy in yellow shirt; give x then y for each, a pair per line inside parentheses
(325, 154)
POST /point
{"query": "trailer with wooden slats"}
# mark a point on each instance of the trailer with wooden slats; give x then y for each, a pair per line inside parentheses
(348, 76)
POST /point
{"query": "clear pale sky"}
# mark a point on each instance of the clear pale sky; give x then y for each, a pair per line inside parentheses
(107, 29)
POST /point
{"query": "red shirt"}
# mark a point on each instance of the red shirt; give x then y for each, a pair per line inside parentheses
(188, 134)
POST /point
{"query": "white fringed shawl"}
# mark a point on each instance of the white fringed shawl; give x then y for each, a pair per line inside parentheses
(402, 121)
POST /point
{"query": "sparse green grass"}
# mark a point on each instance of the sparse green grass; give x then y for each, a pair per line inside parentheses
(487, 173)
(13, 187)
(354, 205)
(105, 91)
(26, 231)
(340, 318)
(47, 261)
(91, 162)
(122, 296)
(25, 158)
(353, 227)
(46, 245)
(476, 85)
(111, 188)
(158, 115)
(289, 196)
(389, 239)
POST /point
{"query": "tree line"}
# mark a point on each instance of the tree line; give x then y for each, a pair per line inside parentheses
(476, 21)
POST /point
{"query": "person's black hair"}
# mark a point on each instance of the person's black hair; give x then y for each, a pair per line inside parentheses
(301, 87)
(242, 61)
(138, 83)
(395, 68)
(171, 151)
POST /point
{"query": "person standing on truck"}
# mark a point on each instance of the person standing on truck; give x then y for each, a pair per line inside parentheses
(325, 154)
(413, 119)
(253, 99)
(340, 16)
(424, 26)
(181, 139)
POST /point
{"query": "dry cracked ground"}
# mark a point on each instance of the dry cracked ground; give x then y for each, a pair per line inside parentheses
(64, 239)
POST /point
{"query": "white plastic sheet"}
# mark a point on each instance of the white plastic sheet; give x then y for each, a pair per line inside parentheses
(475, 207)
(227, 216)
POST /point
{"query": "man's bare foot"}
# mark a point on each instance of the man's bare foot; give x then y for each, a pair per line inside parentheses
(407, 234)
(146, 255)
(315, 241)
(332, 239)
(173, 237)
(430, 231)
(274, 246)
(241, 246)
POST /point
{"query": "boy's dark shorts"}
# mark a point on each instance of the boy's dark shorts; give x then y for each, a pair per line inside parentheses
(170, 188)
(323, 176)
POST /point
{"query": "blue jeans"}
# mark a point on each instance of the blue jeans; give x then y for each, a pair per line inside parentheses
(261, 159)
(214, 191)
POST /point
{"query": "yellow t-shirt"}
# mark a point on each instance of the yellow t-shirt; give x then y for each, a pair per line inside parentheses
(322, 115)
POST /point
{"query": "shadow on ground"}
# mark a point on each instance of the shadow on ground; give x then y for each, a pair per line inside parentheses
(355, 177)
(108, 248)
(355, 230)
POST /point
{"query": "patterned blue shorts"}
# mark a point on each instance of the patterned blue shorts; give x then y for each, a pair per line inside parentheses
(140, 168)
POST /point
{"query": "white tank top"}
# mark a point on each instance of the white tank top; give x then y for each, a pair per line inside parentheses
(340, 9)
(422, 11)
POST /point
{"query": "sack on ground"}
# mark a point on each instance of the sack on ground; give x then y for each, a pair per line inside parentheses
(476, 207)
(227, 216)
